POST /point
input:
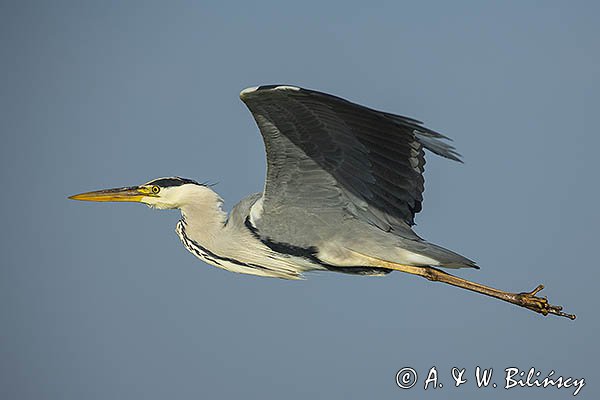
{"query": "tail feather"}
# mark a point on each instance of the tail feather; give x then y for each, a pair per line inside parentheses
(447, 258)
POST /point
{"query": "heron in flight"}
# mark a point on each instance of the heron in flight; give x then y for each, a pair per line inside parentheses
(343, 185)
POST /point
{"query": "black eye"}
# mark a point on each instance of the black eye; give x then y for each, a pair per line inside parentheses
(155, 189)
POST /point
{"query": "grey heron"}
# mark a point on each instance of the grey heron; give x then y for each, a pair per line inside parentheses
(343, 185)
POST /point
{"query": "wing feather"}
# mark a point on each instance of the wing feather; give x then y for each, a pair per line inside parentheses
(330, 158)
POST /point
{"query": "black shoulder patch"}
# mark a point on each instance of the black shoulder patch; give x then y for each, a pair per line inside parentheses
(310, 253)
(283, 248)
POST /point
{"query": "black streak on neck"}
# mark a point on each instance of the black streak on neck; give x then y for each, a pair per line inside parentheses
(209, 255)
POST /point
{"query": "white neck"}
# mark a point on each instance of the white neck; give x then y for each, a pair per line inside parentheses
(203, 215)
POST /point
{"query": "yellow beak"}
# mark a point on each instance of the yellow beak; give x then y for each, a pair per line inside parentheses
(131, 194)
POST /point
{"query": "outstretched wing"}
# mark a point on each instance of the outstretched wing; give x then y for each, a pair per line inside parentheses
(328, 158)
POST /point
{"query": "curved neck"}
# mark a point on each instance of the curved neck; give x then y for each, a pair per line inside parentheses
(203, 216)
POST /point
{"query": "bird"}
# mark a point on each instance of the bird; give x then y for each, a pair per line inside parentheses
(343, 185)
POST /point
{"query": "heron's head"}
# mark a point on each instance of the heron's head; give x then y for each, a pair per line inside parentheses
(162, 193)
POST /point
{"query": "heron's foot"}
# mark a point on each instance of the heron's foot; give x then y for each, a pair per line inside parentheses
(540, 304)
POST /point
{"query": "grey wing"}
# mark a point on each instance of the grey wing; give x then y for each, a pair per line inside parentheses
(329, 160)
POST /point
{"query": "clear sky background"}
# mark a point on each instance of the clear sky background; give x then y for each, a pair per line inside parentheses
(101, 301)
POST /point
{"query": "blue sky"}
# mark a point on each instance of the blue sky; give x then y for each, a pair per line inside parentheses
(102, 301)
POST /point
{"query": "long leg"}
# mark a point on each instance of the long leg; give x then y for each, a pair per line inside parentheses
(528, 300)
